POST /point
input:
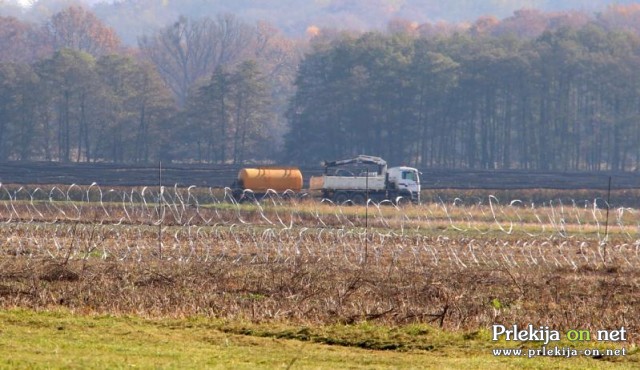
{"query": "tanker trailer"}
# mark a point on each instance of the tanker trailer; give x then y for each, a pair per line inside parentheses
(255, 183)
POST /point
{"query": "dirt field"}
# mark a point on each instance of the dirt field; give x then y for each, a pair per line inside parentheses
(186, 175)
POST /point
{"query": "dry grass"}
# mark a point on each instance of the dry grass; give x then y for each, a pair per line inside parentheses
(244, 282)
(459, 267)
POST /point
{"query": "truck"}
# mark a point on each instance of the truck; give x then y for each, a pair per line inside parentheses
(353, 181)
(348, 181)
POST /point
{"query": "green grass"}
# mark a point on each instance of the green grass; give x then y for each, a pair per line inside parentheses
(60, 339)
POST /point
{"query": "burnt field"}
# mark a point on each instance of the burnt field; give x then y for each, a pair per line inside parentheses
(223, 175)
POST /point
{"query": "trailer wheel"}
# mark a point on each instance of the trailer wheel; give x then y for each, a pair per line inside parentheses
(270, 197)
(247, 196)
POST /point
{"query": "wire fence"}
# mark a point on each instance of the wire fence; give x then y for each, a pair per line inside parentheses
(206, 224)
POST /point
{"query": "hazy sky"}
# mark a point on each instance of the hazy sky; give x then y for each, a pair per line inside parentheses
(496, 5)
(294, 20)
(450, 10)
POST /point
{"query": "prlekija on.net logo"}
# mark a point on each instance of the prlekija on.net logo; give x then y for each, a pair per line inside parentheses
(545, 334)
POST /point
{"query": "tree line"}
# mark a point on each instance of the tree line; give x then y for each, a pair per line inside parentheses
(534, 91)
(195, 90)
(568, 99)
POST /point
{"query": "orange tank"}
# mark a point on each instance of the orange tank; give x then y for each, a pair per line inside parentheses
(278, 179)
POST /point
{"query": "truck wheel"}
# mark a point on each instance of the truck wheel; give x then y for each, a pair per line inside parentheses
(403, 198)
(358, 198)
(341, 198)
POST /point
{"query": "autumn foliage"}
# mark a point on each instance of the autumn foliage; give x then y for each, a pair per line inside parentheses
(79, 29)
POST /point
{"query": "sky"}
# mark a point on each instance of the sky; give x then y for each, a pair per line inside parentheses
(354, 14)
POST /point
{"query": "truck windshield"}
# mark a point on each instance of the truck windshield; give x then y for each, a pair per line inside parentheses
(409, 175)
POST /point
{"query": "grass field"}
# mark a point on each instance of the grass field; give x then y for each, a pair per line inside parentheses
(60, 339)
(121, 279)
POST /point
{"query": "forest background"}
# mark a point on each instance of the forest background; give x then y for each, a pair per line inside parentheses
(549, 87)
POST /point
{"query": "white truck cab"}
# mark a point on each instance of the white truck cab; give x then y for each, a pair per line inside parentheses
(406, 178)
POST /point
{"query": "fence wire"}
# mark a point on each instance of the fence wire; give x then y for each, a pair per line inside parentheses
(196, 224)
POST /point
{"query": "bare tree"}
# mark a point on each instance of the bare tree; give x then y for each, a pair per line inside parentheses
(191, 50)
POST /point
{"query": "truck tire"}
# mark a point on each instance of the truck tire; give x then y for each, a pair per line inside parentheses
(341, 198)
(358, 198)
(403, 198)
